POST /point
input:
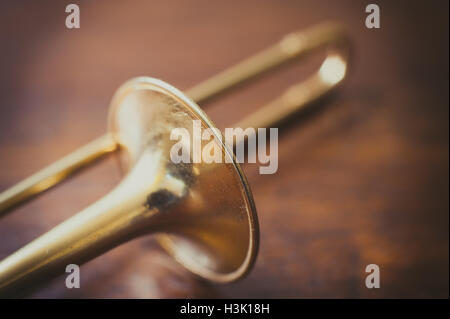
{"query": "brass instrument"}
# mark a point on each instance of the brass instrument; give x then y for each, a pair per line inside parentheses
(203, 214)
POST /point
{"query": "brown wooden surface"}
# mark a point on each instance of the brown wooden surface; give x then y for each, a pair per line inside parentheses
(365, 180)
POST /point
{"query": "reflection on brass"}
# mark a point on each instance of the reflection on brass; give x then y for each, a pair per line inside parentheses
(203, 214)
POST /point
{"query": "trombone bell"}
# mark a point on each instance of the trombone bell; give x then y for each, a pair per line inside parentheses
(203, 214)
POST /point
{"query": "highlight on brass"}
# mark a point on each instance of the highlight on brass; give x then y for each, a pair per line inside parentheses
(96, 201)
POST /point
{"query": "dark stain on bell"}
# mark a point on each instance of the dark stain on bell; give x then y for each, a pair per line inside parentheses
(161, 199)
(183, 172)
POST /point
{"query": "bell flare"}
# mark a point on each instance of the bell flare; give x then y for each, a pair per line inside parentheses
(202, 213)
(213, 228)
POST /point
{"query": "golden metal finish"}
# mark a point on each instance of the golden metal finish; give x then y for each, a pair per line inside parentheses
(203, 214)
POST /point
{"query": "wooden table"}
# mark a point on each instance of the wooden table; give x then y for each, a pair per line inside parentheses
(363, 180)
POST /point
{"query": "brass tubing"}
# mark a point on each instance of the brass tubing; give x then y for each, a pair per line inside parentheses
(292, 46)
(104, 224)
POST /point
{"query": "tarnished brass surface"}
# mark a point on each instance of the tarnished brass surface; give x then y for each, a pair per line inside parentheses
(207, 213)
(203, 213)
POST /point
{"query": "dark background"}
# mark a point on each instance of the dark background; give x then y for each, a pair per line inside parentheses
(365, 180)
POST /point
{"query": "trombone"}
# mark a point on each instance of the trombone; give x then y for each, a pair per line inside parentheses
(202, 214)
